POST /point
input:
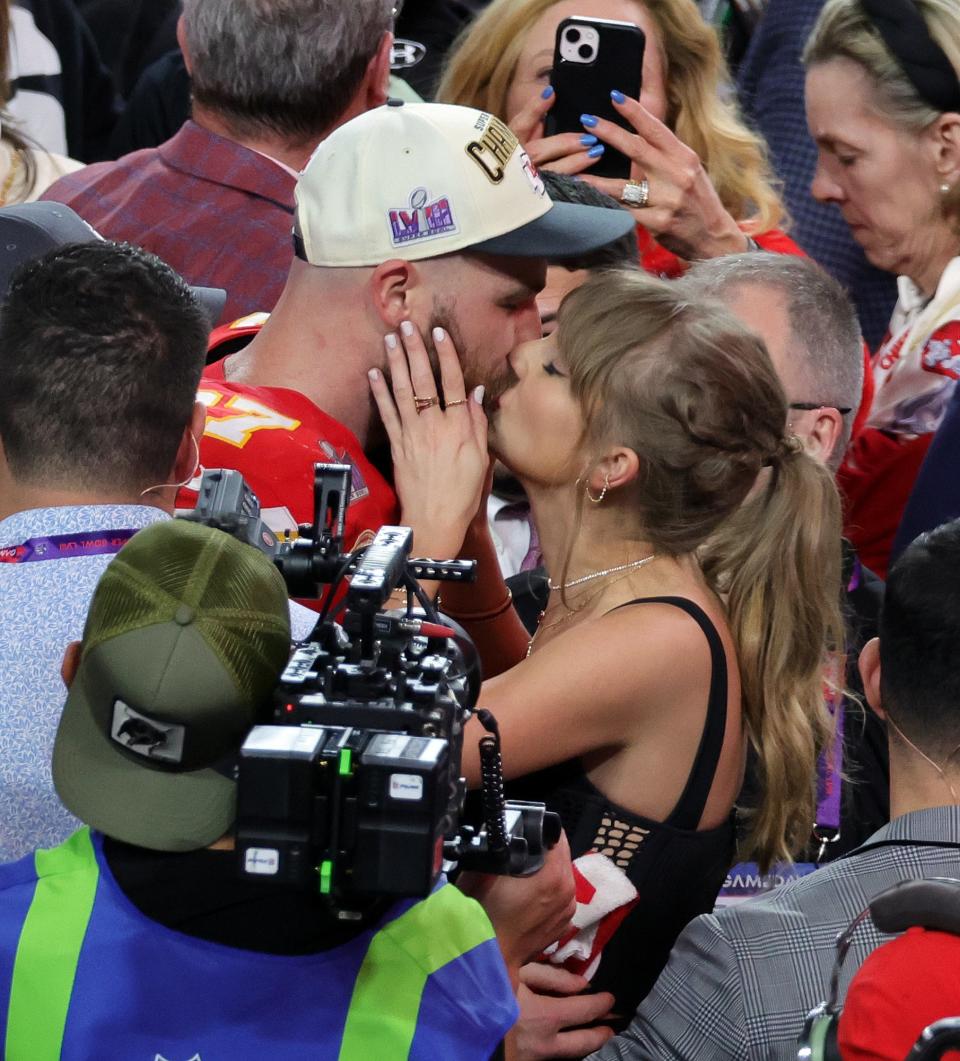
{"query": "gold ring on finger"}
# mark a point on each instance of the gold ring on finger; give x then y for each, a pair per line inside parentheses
(425, 403)
(636, 194)
(459, 401)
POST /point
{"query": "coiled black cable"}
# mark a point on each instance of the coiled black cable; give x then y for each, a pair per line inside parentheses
(491, 777)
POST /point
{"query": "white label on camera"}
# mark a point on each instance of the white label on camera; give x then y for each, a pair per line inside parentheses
(264, 861)
(406, 786)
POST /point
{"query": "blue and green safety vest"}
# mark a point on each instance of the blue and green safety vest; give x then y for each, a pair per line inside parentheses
(84, 974)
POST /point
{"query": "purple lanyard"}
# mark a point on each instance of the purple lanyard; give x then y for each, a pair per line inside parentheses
(827, 827)
(65, 546)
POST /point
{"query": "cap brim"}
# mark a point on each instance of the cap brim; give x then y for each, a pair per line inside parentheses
(30, 230)
(566, 230)
(212, 300)
(130, 801)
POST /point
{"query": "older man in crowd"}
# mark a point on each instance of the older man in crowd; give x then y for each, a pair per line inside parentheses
(270, 81)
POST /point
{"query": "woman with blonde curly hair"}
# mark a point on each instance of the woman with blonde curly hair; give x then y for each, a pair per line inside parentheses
(702, 175)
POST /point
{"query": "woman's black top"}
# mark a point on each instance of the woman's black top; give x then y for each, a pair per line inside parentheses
(676, 869)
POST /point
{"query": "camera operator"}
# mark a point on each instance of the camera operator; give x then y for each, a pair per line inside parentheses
(101, 349)
(186, 638)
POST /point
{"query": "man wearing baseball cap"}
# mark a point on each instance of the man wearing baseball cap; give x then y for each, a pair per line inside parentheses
(424, 215)
(136, 937)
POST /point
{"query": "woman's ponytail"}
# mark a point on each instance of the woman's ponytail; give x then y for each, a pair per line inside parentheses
(777, 562)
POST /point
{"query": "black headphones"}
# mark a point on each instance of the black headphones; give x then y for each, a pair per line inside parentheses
(932, 903)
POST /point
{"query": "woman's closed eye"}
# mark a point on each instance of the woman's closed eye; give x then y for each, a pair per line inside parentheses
(551, 370)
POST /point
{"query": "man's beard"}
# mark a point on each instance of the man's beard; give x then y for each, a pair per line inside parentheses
(476, 370)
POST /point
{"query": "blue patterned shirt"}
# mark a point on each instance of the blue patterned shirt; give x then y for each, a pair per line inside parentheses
(43, 607)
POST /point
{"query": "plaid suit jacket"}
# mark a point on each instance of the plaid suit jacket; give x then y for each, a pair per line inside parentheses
(219, 213)
(740, 982)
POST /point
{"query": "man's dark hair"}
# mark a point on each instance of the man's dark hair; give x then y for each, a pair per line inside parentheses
(919, 639)
(101, 350)
(285, 68)
(622, 253)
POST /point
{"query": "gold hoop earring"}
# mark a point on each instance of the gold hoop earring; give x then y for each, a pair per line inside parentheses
(603, 492)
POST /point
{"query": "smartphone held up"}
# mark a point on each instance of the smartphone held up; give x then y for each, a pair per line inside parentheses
(593, 56)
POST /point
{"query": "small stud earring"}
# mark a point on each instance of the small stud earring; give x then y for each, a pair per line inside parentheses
(944, 188)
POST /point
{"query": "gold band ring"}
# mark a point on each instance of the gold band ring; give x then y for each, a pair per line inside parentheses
(425, 403)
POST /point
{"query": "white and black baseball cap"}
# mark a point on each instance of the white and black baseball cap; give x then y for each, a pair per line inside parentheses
(418, 180)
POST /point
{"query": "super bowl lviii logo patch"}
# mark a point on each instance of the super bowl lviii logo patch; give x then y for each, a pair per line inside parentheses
(421, 219)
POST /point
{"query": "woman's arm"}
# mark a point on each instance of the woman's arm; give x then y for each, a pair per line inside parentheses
(485, 607)
(602, 685)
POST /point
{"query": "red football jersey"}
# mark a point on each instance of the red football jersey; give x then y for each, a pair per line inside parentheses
(273, 436)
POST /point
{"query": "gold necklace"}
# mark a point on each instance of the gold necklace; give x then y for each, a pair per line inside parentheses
(576, 611)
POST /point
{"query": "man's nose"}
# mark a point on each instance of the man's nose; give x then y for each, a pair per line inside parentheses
(528, 325)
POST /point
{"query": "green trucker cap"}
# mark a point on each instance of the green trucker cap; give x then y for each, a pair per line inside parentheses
(186, 636)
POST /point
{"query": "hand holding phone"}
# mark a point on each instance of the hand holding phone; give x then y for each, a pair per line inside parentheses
(593, 56)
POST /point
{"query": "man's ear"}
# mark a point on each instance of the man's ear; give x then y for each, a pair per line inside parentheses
(188, 454)
(377, 77)
(71, 661)
(182, 43)
(394, 286)
(824, 435)
(870, 675)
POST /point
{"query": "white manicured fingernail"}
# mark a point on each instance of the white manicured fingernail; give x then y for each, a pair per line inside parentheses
(439, 335)
(407, 328)
(478, 394)
(373, 374)
(391, 341)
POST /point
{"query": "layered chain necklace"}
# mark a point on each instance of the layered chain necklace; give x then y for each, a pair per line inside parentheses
(623, 570)
(602, 574)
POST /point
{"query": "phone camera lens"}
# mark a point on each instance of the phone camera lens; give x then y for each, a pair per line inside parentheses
(585, 51)
(573, 35)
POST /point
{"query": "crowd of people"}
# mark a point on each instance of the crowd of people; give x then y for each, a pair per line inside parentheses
(694, 425)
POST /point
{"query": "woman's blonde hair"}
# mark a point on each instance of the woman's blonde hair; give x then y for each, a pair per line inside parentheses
(844, 30)
(694, 394)
(482, 63)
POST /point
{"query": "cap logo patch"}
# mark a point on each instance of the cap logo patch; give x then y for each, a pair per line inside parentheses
(422, 219)
(493, 149)
(532, 174)
(147, 737)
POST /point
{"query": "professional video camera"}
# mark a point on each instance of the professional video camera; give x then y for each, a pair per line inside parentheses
(355, 789)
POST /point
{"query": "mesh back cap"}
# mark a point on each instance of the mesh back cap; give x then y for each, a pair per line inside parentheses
(186, 636)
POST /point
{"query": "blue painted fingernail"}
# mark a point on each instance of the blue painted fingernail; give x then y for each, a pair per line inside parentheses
(587, 140)
(588, 120)
(547, 92)
(595, 152)
(618, 97)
